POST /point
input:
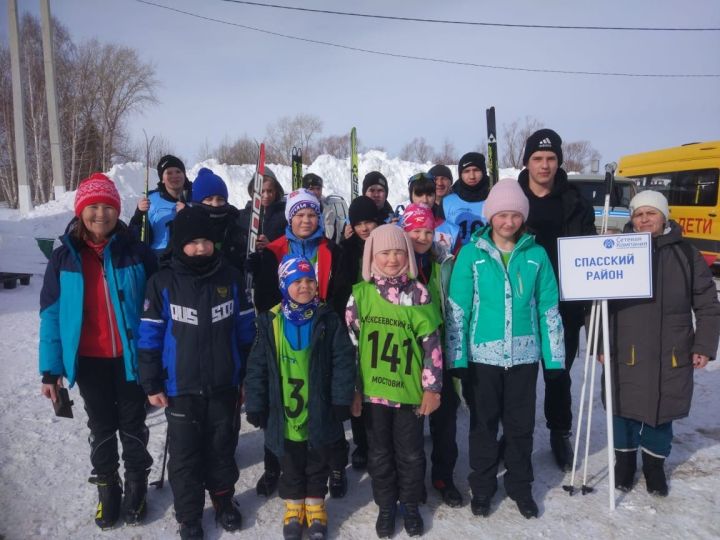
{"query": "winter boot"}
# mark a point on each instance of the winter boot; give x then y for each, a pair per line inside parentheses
(385, 524)
(338, 484)
(109, 499)
(134, 505)
(527, 506)
(480, 505)
(655, 475)
(267, 484)
(625, 467)
(293, 520)
(191, 530)
(226, 514)
(359, 458)
(450, 494)
(316, 516)
(561, 449)
(414, 525)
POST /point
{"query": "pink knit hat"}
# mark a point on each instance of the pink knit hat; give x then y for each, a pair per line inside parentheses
(385, 237)
(417, 216)
(506, 196)
(98, 188)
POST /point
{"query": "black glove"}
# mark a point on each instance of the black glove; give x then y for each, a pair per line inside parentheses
(553, 374)
(341, 412)
(257, 419)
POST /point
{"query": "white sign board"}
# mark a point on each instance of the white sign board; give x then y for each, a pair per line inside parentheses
(605, 267)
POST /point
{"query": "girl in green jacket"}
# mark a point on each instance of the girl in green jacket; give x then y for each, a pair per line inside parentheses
(502, 318)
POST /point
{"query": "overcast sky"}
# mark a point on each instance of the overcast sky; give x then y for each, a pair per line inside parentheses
(221, 81)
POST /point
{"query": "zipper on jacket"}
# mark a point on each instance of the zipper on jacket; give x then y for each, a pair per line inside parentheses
(109, 308)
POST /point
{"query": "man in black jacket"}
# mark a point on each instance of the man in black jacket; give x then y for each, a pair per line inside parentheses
(556, 210)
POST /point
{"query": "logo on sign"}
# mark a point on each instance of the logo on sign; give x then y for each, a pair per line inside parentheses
(609, 243)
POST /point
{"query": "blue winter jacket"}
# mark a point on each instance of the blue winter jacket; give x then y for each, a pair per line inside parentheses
(127, 263)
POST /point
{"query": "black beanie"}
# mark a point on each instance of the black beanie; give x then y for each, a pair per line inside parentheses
(374, 178)
(362, 209)
(441, 170)
(311, 180)
(169, 161)
(472, 158)
(190, 223)
(543, 139)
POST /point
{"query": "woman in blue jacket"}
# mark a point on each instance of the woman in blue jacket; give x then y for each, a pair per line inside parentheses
(90, 308)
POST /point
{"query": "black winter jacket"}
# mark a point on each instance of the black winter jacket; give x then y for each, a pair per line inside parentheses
(348, 267)
(331, 379)
(272, 222)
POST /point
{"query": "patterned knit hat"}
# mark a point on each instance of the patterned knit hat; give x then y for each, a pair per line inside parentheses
(299, 200)
(292, 268)
(506, 196)
(382, 238)
(98, 188)
(417, 216)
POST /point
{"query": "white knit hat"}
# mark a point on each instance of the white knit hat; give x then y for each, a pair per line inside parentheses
(651, 198)
(299, 200)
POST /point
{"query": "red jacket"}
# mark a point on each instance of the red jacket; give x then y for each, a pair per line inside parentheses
(323, 266)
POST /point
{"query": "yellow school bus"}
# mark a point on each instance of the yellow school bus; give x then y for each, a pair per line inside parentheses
(688, 176)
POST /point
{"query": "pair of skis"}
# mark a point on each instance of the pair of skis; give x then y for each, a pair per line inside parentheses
(255, 218)
(296, 168)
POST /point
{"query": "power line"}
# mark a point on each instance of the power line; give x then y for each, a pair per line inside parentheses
(435, 60)
(477, 23)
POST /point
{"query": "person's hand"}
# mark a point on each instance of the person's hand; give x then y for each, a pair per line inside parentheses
(260, 242)
(143, 204)
(601, 358)
(50, 391)
(356, 407)
(257, 419)
(158, 400)
(347, 231)
(430, 403)
(179, 206)
(700, 360)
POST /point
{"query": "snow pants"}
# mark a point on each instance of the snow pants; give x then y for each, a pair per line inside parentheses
(396, 456)
(558, 402)
(304, 471)
(630, 434)
(496, 394)
(443, 429)
(202, 435)
(113, 406)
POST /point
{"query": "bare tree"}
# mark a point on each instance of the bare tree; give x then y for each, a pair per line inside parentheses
(8, 174)
(578, 155)
(447, 153)
(513, 141)
(240, 152)
(417, 150)
(288, 132)
(334, 145)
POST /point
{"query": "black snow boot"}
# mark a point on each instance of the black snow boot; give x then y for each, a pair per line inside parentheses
(226, 514)
(450, 494)
(562, 449)
(625, 468)
(134, 505)
(414, 525)
(267, 484)
(191, 530)
(527, 506)
(385, 524)
(480, 505)
(359, 458)
(338, 484)
(109, 499)
(653, 469)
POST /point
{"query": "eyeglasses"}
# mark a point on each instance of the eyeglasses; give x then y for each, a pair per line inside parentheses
(421, 176)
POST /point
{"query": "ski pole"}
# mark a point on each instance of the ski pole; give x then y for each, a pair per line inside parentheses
(161, 482)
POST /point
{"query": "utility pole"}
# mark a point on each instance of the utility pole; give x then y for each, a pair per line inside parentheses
(53, 122)
(24, 200)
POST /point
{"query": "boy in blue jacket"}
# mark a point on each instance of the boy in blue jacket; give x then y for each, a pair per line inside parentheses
(196, 330)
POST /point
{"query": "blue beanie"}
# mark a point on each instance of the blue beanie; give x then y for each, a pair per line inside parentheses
(208, 184)
(291, 269)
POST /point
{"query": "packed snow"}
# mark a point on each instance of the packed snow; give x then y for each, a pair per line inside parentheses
(44, 462)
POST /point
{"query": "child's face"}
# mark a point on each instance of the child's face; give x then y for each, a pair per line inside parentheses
(506, 224)
(428, 199)
(304, 223)
(391, 261)
(302, 290)
(199, 247)
(364, 228)
(421, 239)
(173, 178)
(268, 193)
(215, 200)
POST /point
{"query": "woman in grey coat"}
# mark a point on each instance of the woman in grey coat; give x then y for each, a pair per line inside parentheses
(655, 347)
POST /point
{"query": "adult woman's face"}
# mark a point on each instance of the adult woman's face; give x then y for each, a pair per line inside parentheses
(99, 220)
(304, 223)
(648, 219)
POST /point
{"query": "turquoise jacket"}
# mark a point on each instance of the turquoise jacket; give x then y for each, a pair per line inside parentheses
(127, 265)
(503, 317)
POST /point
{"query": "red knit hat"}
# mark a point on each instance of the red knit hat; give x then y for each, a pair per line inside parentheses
(98, 188)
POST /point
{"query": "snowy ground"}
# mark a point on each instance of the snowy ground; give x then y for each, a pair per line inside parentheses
(44, 461)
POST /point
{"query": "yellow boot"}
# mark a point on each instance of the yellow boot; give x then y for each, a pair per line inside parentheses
(316, 518)
(294, 519)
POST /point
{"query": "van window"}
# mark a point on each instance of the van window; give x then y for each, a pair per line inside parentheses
(684, 188)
